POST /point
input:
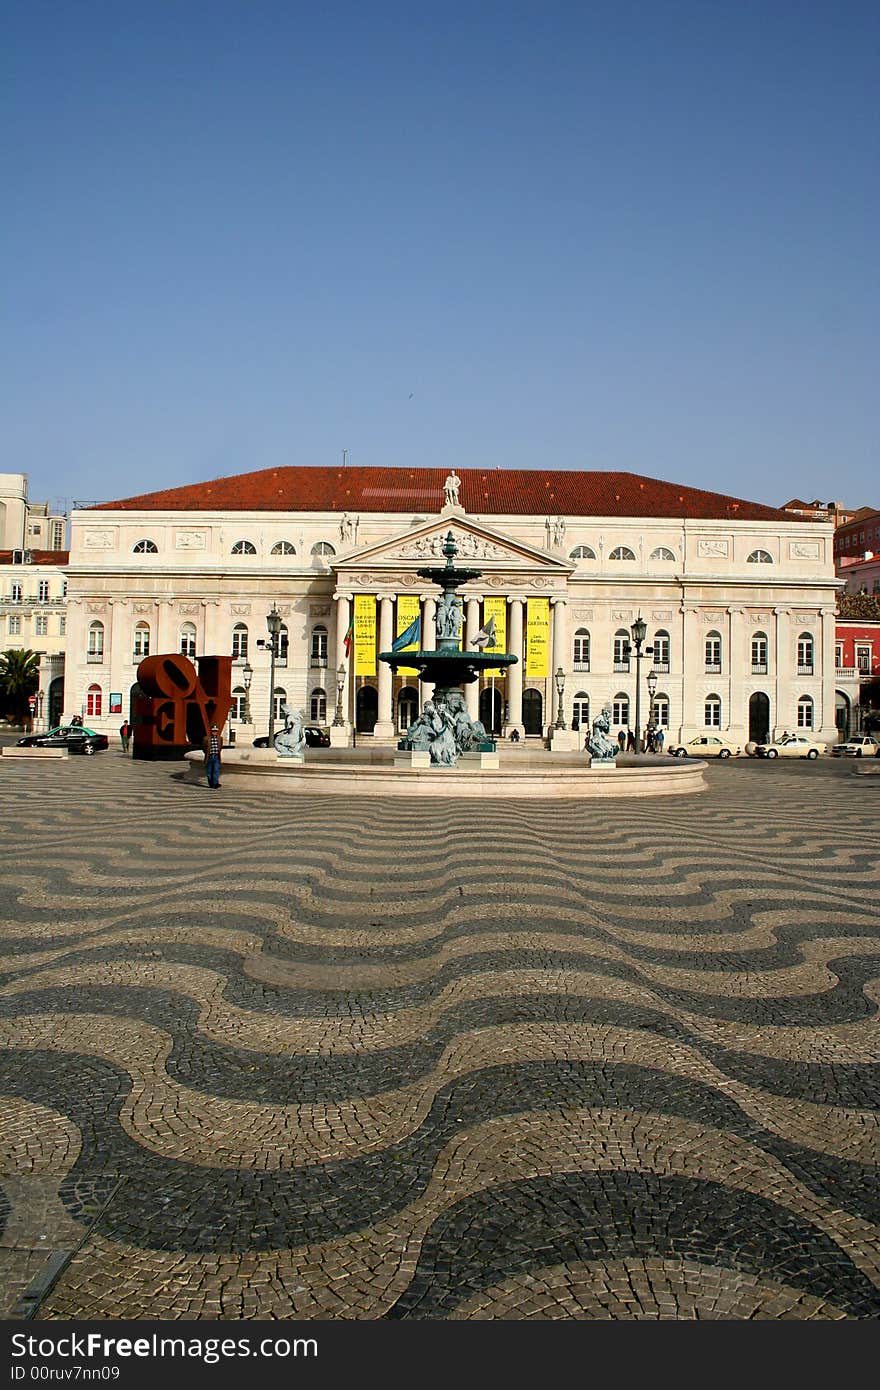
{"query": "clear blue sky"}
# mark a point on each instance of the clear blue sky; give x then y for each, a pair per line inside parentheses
(628, 234)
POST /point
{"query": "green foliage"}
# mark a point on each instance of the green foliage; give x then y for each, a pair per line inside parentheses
(19, 678)
(855, 606)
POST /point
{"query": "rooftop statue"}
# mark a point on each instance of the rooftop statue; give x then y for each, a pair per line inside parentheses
(450, 489)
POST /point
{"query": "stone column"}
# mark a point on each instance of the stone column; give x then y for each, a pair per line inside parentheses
(515, 673)
(825, 712)
(472, 627)
(780, 709)
(339, 737)
(385, 723)
(737, 720)
(428, 644)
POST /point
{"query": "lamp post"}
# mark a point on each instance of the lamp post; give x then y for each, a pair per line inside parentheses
(273, 623)
(338, 721)
(639, 630)
(559, 679)
(40, 697)
(247, 675)
(651, 682)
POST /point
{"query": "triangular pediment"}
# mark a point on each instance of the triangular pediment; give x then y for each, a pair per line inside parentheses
(478, 545)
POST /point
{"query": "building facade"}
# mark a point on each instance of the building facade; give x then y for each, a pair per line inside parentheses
(33, 587)
(739, 599)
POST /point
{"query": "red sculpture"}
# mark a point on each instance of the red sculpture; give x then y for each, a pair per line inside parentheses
(177, 706)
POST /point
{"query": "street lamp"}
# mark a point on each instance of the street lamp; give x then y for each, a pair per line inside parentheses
(273, 623)
(651, 682)
(338, 721)
(247, 675)
(559, 679)
(639, 630)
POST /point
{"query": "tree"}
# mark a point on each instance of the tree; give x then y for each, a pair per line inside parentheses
(19, 678)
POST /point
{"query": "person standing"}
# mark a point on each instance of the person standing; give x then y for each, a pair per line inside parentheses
(124, 734)
(211, 746)
(621, 739)
(630, 741)
(658, 739)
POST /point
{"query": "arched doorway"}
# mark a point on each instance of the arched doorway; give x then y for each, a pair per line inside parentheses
(759, 717)
(842, 714)
(366, 709)
(407, 707)
(533, 711)
(56, 702)
(490, 716)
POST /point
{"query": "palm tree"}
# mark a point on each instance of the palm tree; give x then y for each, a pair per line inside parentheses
(19, 678)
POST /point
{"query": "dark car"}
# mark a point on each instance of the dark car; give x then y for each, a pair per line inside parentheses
(315, 738)
(73, 737)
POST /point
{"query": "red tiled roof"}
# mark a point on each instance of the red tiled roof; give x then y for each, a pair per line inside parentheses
(519, 492)
(38, 557)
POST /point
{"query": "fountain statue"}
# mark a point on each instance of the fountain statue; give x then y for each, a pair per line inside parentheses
(445, 729)
(601, 746)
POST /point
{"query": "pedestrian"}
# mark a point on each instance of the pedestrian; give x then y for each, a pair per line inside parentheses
(658, 740)
(649, 739)
(630, 741)
(621, 740)
(514, 735)
(124, 734)
(76, 721)
(211, 746)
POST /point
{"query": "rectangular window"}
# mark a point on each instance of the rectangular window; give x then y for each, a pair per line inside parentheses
(14, 626)
(57, 535)
(62, 625)
(43, 591)
(838, 655)
(863, 660)
(661, 713)
(620, 712)
(41, 625)
(16, 593)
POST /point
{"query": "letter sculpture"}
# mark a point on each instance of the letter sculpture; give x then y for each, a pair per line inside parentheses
(175, 707)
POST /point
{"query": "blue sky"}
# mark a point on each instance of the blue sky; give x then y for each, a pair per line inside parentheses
(629, 234)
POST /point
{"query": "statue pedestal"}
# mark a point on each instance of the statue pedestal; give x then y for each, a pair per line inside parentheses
(412, 757)
(296, 758)
(603, 765)
(564, 740)
(384, 728)
(340, 737)
(476, 760)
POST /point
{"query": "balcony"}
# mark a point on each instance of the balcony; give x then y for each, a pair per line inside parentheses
(846, 673)
(581, 666)
(318, 661)
(662, 668)
(621, 667)
(759, 668)
(805, 668)
(713, 668)
(94, 658)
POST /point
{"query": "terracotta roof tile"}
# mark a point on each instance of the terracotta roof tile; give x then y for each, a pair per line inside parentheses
(520, 492)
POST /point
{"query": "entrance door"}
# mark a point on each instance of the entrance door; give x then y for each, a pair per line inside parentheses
(56, 702)
(533, 709)
(489, 719)
(841, 715)
(759, 718)
(367, 709)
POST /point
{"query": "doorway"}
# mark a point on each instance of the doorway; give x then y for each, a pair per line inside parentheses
(759, 717)
(533, 711)
(490, 712)
(366, 709)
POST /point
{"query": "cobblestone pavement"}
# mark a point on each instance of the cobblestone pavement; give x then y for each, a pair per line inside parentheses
(320, 1058)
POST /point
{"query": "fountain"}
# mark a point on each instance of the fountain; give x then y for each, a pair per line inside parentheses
(444, 732)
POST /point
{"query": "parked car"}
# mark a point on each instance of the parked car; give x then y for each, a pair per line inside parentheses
(315, 738)
(791, 746)
(706, 746)
(73, 737)
(862, 746)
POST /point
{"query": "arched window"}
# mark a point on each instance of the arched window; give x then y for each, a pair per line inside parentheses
(279, 700)
(620, 709)
(323, 549)
(622, 552)
(621, 649)
(408, 708)
(188, 639)
(580, 709)
(713, 712)
(141, 640)
(662, 553)
(96, 642)
(582, 650)
(283, 645)
(661, 651)
(239, 702)
(759, 557)
(145, 548)
(661, 711)
(284, 548)
(582, 552)
(805, 712)
(713, 653)
(759, 654)
(94, 701)
(239, 642)
(805, 655)
(318, 706)
(244, 548)
(319, 646)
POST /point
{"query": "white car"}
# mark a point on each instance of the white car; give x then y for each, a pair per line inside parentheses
(707, 746)
(792, 746)
(862, 746)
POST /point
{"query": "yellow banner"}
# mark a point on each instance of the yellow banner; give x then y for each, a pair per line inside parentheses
(364, 635)
(538, 637)
(496, 608)
(409, 607)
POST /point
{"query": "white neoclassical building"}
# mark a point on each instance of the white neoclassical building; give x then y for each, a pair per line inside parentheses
(738, 598)
(33, 587)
